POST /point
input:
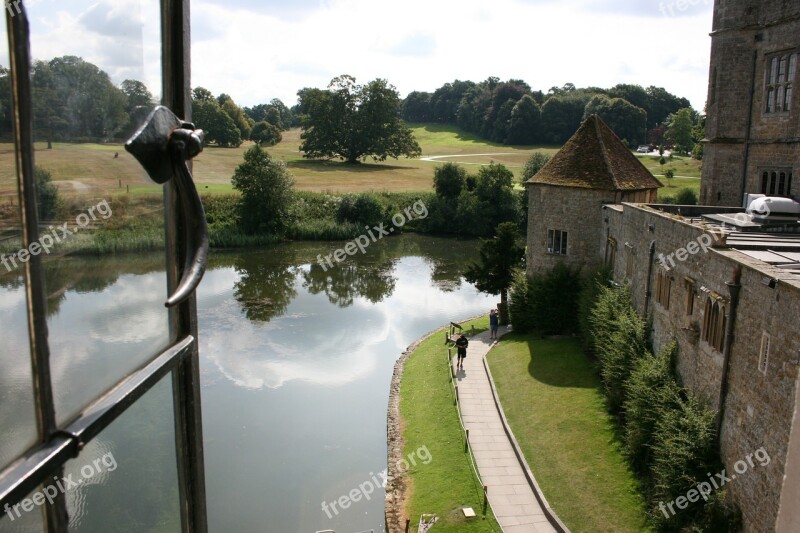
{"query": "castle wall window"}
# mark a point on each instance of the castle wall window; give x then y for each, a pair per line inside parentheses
(611, 252)
(663, 288)
(763, 353)
(688, 284)
(779, 83)
(776, 182)
(714, 323)
(556, 242)
(630, 260)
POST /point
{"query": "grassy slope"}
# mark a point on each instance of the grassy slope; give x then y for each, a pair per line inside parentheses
(92, 170)
(430, 419)
(555, 406)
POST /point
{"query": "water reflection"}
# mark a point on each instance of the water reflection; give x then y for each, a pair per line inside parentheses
(296, 363)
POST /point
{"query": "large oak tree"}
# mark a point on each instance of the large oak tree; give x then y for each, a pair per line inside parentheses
(353, 122)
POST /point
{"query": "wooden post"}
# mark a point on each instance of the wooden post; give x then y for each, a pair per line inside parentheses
(408, 524)
(456, 394)
(485, 498)
(466, 441)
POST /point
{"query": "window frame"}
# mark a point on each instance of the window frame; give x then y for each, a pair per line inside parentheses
(557, 237)
(58, 444)
(775, 181)
(780, 71)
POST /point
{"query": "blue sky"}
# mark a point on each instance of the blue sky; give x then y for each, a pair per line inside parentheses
(256, 50)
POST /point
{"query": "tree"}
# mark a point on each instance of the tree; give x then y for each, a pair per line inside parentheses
(494, 272)
(662, 104)
(533, 165)
(679, 129)
(526, 122)
(137, 94)
(265, 134)
(267, 194)
(417, 107)
(449, 180)
(217, 124)
(562, 116)
(74, 99)
(240, 119)
(353, 122)
(625, 119)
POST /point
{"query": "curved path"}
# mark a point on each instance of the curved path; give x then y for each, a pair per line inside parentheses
(511, 486)
(435, 158)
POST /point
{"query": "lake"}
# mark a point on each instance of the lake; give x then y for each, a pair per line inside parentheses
(296, 362)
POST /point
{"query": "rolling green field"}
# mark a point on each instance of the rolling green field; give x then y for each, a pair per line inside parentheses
(93, 170)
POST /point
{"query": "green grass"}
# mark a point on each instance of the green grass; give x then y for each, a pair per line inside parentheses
(430, 419)
(556, 409)
(682, 166)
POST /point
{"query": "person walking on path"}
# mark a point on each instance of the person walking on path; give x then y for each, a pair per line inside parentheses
(461, 345)
(493, 322)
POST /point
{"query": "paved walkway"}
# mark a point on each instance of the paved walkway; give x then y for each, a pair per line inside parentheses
(511, 497)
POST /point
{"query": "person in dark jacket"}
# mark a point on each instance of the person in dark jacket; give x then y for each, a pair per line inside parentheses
(461, 344)
(493, 323)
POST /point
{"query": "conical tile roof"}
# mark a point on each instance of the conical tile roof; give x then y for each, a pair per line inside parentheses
(595, 158)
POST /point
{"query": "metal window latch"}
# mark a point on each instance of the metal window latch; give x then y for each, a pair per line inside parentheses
(163, 145)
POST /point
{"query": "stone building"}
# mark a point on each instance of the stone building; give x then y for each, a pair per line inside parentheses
(592, 169)
(722, 283)
(753, 112)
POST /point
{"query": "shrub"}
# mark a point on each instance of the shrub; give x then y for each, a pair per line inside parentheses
(648, 394)
(266, 134)
(520, 306)
(686, 196)
(591, 287)
(628, 343)
(554, 300)
(46, 194)
(361, 208)
(697, 151)
(684, 452)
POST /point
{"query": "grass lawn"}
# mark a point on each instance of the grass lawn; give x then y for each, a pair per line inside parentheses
(447, 483)
(93, 170)
(555, 405)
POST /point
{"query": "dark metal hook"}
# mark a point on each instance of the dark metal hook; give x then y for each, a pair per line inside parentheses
(163, 146)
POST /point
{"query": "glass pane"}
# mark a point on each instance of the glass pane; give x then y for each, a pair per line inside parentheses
(90, 93)
(17, 413)
(126, 479)
(23, 517)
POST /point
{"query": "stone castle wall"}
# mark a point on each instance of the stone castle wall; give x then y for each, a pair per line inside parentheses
(760, 406)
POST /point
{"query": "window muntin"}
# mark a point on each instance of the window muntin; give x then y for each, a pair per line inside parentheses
(779, 82)
(556, 242)
(776, 182)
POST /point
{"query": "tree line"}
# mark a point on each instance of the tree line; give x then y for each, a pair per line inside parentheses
(76, 101)
(510, 112)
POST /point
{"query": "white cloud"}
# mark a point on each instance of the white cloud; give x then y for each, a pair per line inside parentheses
(256, 51)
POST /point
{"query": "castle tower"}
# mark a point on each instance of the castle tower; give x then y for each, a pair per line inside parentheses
(753, 107)
(565, 197)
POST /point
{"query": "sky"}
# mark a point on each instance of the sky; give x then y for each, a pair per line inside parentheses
(256, 50)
